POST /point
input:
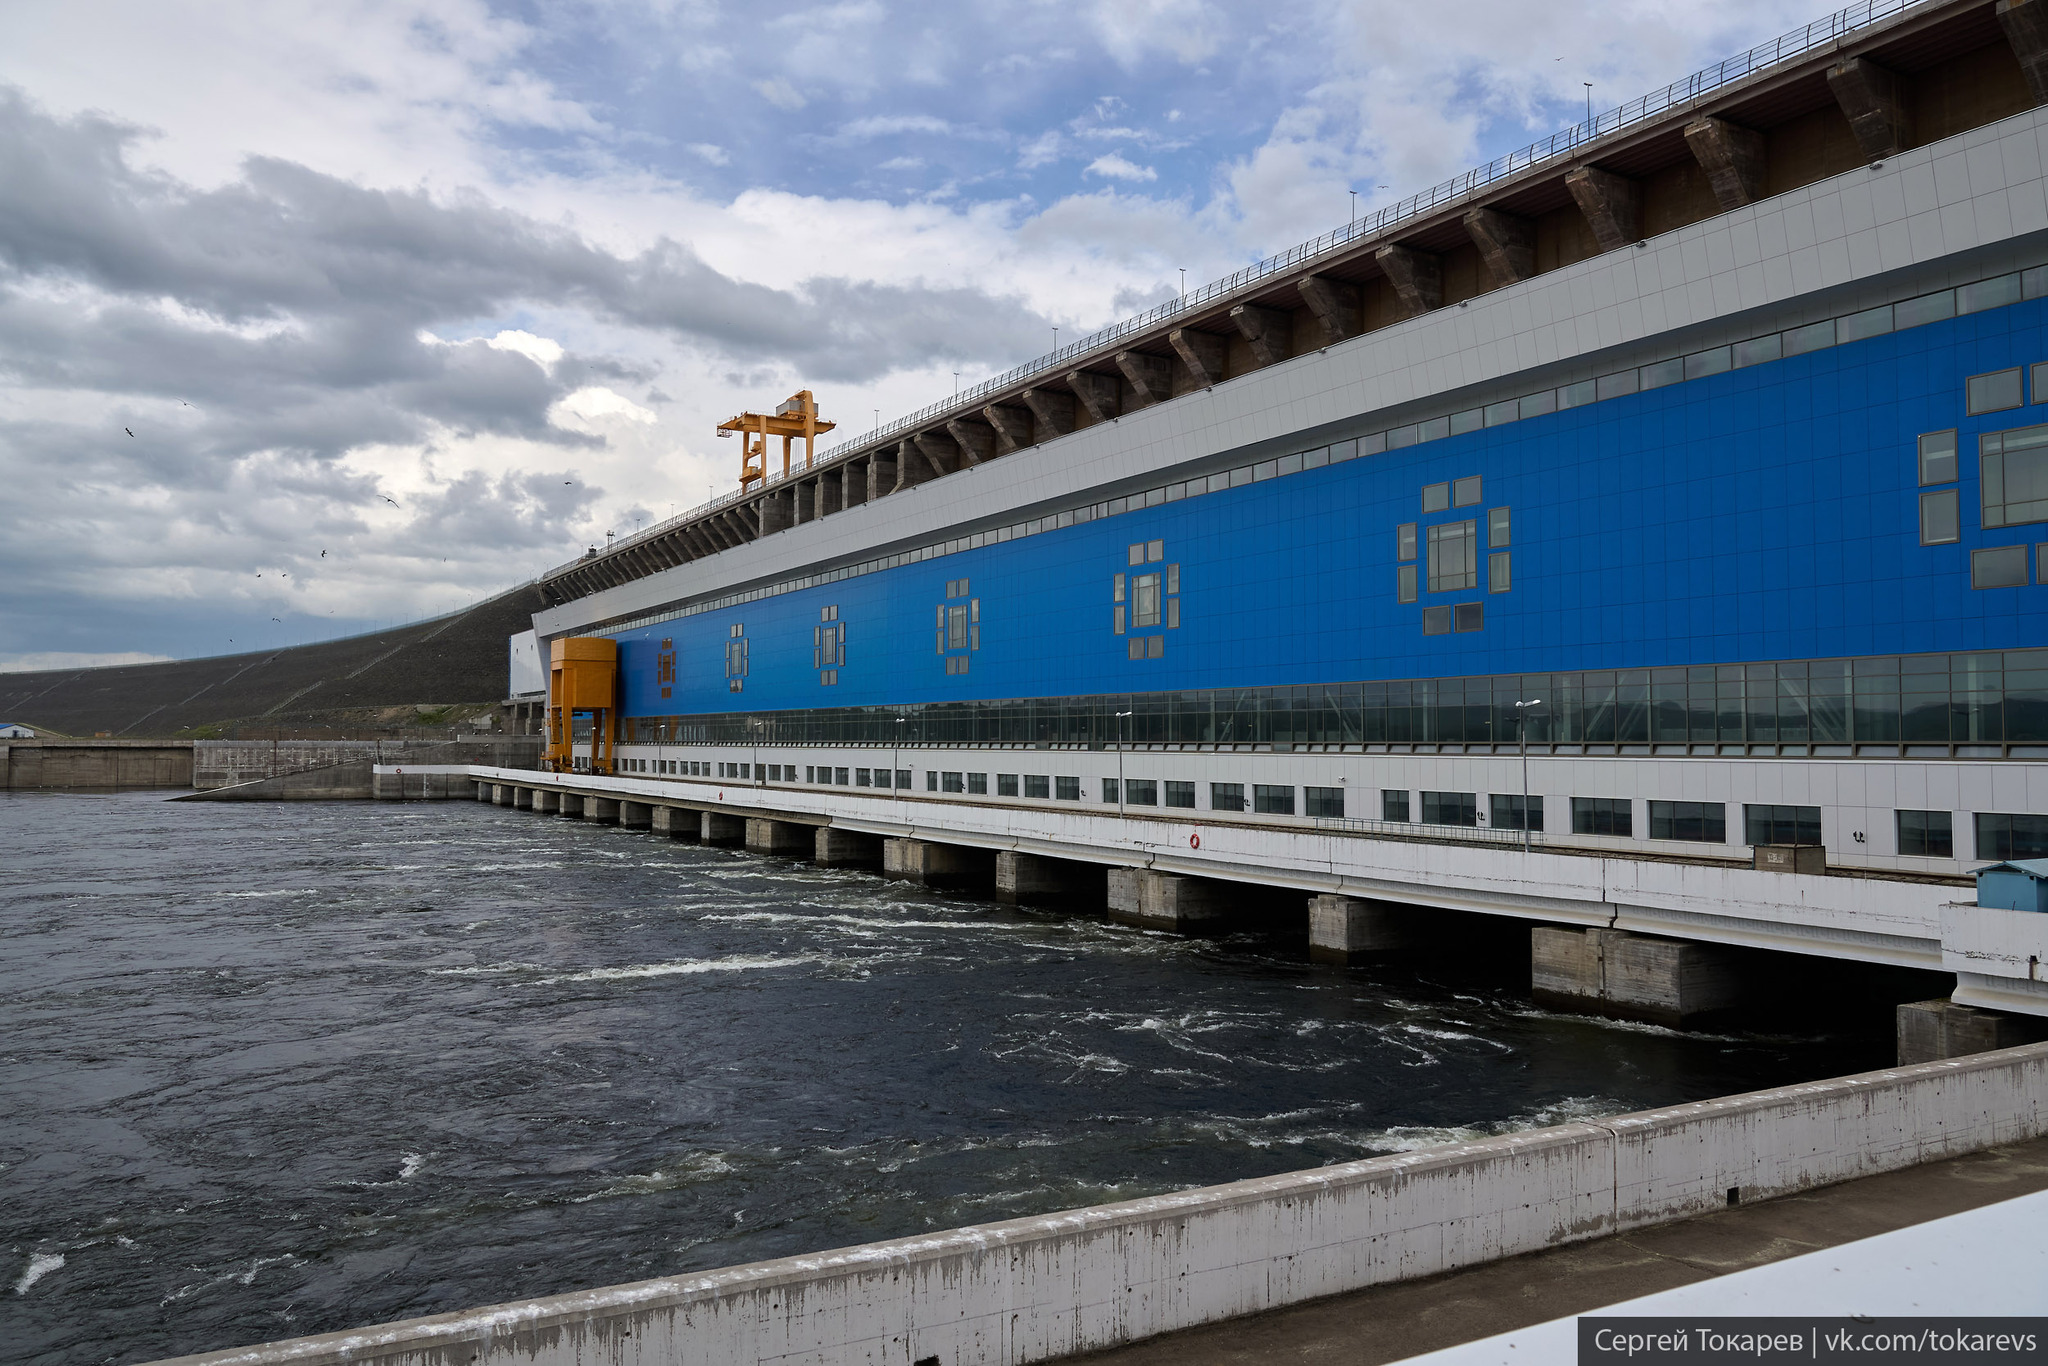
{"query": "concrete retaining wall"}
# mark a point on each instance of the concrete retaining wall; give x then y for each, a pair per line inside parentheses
(95, 765)
(1039, 1288)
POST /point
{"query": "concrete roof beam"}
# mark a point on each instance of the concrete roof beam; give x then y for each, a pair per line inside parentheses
(1872, 98)
(1612, 204)
(940, 451)
(1506, 242)
(1011, 424)
(1733, 158)
(1052, 412)
(1101, 394)
(1417, 277)
(1268, 331)
(1151, 376)
(2026, 30)
(976, 440)
(1204, 353)
(1339, 305)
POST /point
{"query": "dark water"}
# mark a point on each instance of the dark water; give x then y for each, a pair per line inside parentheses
(268, 1071)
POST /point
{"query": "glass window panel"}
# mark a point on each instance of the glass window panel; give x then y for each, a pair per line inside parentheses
(1938, 457)
(1403, 436)
(1290, 464)
(1874, 322)
(1323, 801)
(1758, 350)
(1471, 420)
(1711, 362)
(1465, 492)
(1509, 812)
(1781, 824)
(1006, 783)
(1471, 616)
(1435, 498)
(1577, 395)
(1537, 405)
(1603, 816)
(1928, 308)
(1812, 337)
(1926, 834)
(2014, 476)
(1498, 527)
(1940, 515)
(1436, 429)
(1498, 413)
(2003, 566)
(1180, 794)
(1404, 541)
(1226, 796)
(1702, 822)
(2011, 836)
(2037, 382)
(1037, 785)
(1657, 374)
(1404, 588)
(1373, 444)
(1393, 805)
(1436, 621)
(1992, 293)
(1450, 808)
(1499, 577)
(1994, 392)
(1315, 459)
(1453, 556)
(1340, 451)
(1617, 384)
(1141, 792)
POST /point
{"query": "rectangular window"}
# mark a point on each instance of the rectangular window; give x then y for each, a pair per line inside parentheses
(1940, 517)
(1037, 785)
(1757, 350)
(1938, 458)
(1700, 364)
(1471, 616)
(1471, 420)
(1994, 392)
(1497, 528)
(1145, 601)
(1405, 583)
(1453, 556)
(1226, 796)
(1465, 492)
(863, 777)
(1450, 808)
(1322, 801)
(1155, 551)
(1404, 541)
(1927, 308)
(2014, 465)
(1536, 405)
(1872, 322)
(2002, 566)
(1136, 554)
(956, 628)
(1180, 794)
(1813, 337)
(1577, 395)
(1498, 414)
(1926, 834)
(1273, 801)
(931, 780)
(1173, 614)
(1781, 824)
(1006, 784)
(977, 783)
(1069, 789)
(1507, 811)
(2037, 381)
(1603, 816)
(956, 664)
(1116, 621)
(1393, 805)
(902, 779)
(839, 777)
(1657, 374)
(2009, 837)
(1109, 791)
(1173, 578)
(1141, 792)
(1701, 822)
(1436, 498)
(2041, 562)
(952, 782)
(1499, 575)
(1119, 594)
(1436, 621)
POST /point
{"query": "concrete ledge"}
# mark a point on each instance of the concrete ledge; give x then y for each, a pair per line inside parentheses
(1039, 1288)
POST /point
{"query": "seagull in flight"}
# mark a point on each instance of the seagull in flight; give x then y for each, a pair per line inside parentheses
(389, 499)
(126, 430)
(323, 554)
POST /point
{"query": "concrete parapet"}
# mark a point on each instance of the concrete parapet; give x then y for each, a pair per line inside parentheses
(1166, 901)
(718, 828)
(676, 822)
(1934, 1031)
(635, 815)
(1036, 880)
(1343, 929)
(768, 836)
(601, 810)
(833, 847)
(1632, 976)
(934, 865)
(385, 785)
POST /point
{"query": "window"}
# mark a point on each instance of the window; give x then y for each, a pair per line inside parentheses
(951, 782)
(1603, 816)
(2003, 566)
(2014, 465)
(2037, 381)
(1940, 518)
(1994, 392)
(1322, 801)
(1141, 792)
(1037, 785)
(839, 777)
(1145, 601)
(956, 627)
(1109, 791)
(902, 779)
(1450, 808)
(735, 658)
(1069, 789)
(1155, 551)
(1436, 498)
(1436, 621)
(2008, 837)
(957, 664)
(1703, 822)
(931, 781)
(1006, 785)
(1781, 824)
(1404, 541)
(863, 778)
(1453, 556)
(1471, 616)
(1136, 554)
(1497, 527)
(1507, 812)
(956, 588)
(1180, 794)
(1465, 492)
(1404, 583)
(1273, 801)
(1393, 805)
(1925, 834)
(1226, 796)
(1938, 458)
(977, 784)
(1499, 575)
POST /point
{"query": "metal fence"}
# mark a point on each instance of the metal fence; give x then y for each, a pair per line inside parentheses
(1566, 143)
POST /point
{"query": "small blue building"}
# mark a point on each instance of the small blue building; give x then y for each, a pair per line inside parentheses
(2020, 885)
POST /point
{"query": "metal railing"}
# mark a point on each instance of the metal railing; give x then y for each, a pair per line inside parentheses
(1565, 143)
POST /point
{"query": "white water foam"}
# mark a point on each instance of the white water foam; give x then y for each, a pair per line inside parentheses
(684, 967)
(410, 1166)
(39, 1266)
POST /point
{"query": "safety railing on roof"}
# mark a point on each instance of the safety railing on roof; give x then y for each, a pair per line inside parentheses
(1565, 143)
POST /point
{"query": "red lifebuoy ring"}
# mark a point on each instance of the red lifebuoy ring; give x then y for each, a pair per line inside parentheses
(1195, 840)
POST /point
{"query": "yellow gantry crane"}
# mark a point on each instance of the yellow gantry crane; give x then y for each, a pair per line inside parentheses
(795, 417)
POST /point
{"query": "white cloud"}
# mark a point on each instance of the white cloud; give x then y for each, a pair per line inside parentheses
(597, 406)
(780, 93)
(711, 152)
(1115, 167)
(890, 125)
(901, 164)
(542, 352)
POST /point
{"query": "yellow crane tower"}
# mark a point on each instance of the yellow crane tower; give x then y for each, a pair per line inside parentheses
(795, 417)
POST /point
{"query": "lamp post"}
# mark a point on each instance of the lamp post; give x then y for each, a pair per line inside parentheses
(896, 753)
(1120, 761)
(1522, 725)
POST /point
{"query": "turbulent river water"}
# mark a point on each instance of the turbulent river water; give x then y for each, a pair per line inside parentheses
(276, 1070)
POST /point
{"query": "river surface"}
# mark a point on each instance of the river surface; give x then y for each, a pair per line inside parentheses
(276, 1070)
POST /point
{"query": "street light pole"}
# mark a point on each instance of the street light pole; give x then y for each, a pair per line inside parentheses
(1120, 761)
(1522, 725)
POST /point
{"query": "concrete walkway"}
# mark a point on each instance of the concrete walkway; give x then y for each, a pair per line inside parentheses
(1392, 1322)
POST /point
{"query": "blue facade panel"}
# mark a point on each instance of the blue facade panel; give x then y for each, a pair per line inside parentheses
(1761, 514)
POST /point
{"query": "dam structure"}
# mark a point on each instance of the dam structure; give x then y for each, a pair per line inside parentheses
(1644, 537)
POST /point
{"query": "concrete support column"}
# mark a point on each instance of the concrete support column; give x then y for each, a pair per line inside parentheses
(1613, 205)
(830, 486)
(1052, 412)
(1035, 880)
(806, 501)
(934, 865)
(766, 836)
(1872, 98)
(546, 803)
(1102, 395)
(2026, 30)
(1345, 929)
(501, 794)
(1339, 305)
(1204, 353)
(635, 816)
(485, 792)
(1011, 424)
(674, 822)
(1733, 158)
(881, 473)
(1417, 277)
(601, 810)
(853, 482)
(1506, 242)
(1631, 976)
(941, 452)
(718, 828)
(1165, 901)
(912, 467)
(976, 441)
(1269, 331)
(1151, 377)
(571, 805)
(1933, 1031)
(777, 511)
(522, 799)
(835, 848)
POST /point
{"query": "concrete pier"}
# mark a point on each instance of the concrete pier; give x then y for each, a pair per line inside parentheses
(601, 810)
(932, 864)
(723, 830)
(501, 793)
(1166, 901)
(768, 836)
(1934, 1031)
(483, 792)
(832, 847)
(1631, 976)
(522, 799)
(570, 805)
(1035, 880)
(677, 823)
(1346, 929)
(635, 815)
(546, 803)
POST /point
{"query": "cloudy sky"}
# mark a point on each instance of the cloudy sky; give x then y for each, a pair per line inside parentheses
(315, 317)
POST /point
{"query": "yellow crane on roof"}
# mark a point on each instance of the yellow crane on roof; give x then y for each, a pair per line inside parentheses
(795, 417)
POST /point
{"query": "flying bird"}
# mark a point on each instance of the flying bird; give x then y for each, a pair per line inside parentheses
(323, 554)
(126, 430)
(389, 499)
